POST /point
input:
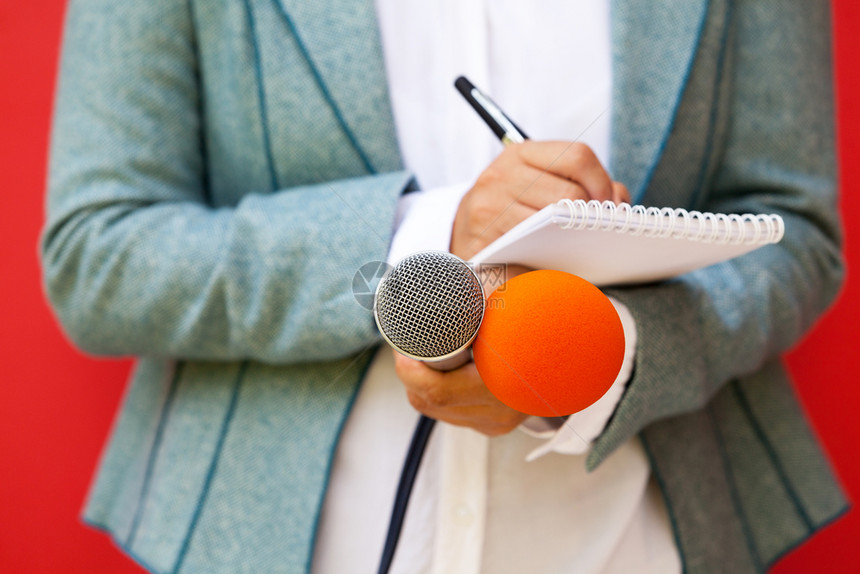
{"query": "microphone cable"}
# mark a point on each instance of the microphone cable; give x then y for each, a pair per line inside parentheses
(404, 489)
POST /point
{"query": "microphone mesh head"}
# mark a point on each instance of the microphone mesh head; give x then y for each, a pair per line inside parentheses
(429, 305)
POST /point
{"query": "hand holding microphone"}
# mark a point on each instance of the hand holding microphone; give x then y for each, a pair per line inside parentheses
(429, 308)
(548, 343)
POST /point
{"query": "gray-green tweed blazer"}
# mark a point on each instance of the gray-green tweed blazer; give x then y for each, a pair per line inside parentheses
(220, 170)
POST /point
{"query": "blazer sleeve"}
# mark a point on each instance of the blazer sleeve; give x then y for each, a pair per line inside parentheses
(137, 261)
(701, 330)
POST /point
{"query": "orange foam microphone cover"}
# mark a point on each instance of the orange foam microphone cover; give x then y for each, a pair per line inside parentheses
(550, 344)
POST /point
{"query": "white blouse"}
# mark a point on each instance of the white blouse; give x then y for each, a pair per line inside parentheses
(522, 502)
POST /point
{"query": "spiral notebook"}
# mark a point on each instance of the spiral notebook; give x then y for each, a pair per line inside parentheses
(610, 244)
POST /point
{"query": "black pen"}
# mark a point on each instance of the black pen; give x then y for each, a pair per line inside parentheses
(505, 129)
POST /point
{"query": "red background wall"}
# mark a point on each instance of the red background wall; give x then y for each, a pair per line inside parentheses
(56, 405)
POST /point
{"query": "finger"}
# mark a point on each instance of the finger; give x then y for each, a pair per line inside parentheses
(541, 188)
(571, 160)
(427, 388)
(440, 389)
(620, 193)
(493, 418)
(481, 225)
(483, 420)
(509, 216)
(415, 373)
(431, 390)
(510, 179)
(457, 397)
(465, 388)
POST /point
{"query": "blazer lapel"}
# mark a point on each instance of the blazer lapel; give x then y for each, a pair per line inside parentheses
(350, 70)
(654, 45)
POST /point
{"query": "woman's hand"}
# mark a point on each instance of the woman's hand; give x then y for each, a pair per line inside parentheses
(458, 397)
(523, 179)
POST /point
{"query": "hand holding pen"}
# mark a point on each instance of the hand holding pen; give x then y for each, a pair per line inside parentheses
(526, 176)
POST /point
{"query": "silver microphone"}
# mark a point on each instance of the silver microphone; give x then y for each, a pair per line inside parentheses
(429, 307)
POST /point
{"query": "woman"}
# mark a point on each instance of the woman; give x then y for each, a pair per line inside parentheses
(219, 173)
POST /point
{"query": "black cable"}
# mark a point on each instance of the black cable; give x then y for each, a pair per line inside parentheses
(404, 489)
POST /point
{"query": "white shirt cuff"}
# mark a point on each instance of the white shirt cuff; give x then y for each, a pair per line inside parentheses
(580, 429)
(424, 221)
